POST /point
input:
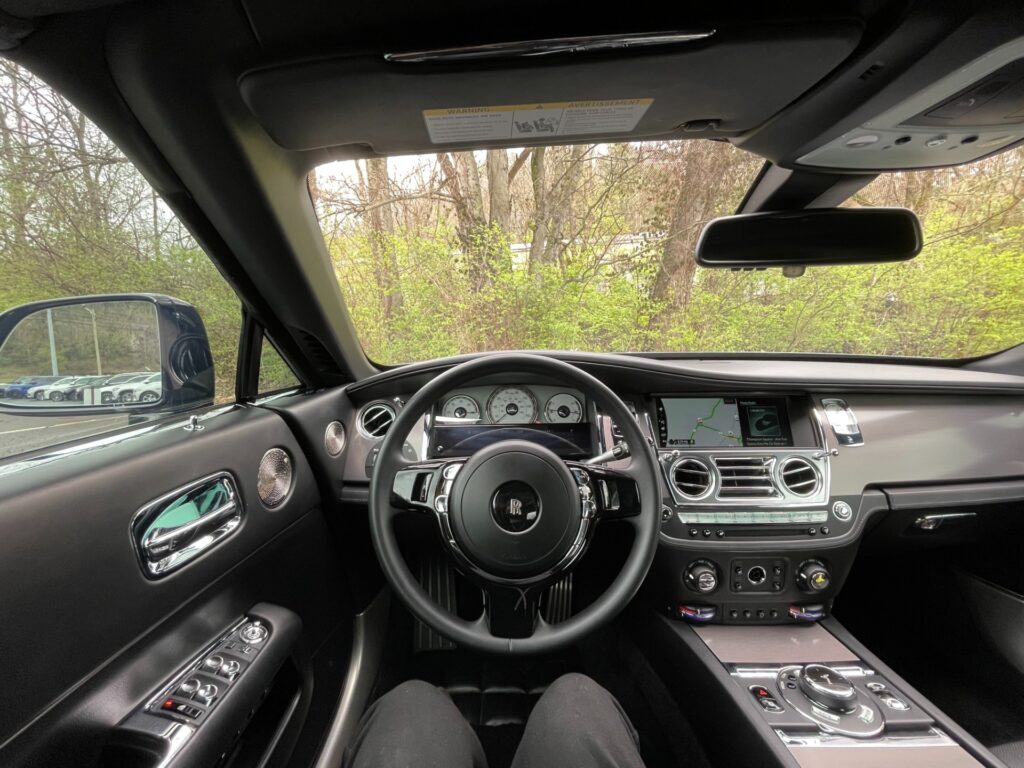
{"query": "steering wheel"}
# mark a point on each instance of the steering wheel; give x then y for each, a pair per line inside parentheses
(514, 515)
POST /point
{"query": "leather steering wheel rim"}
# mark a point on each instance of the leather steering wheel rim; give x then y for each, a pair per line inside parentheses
(643, 470)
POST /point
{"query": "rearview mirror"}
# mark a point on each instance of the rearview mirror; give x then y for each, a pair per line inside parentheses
(817, 236)
(132, 353)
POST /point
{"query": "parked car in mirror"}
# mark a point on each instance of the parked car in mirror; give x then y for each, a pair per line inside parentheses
(55, 390)
(156, 346)
(21, 390)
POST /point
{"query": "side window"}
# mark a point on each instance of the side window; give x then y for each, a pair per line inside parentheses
(275, 375)
(78, 219)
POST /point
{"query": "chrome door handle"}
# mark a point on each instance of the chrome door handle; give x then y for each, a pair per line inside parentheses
(938, 519)
(183, 524)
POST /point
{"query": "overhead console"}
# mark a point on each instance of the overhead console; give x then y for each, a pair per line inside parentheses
(972, 112)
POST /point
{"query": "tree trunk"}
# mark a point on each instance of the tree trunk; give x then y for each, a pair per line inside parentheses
(538, 174)
(382, 231)
(500, 211)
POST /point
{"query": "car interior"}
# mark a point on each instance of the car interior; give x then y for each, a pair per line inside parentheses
(767, 559)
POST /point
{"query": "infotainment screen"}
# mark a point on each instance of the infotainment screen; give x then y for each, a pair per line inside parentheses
(722, 422)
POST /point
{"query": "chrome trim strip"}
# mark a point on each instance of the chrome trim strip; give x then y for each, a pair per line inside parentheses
(773, 459)
(547, 47)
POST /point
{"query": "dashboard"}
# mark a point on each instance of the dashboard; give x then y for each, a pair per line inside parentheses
(774, 473)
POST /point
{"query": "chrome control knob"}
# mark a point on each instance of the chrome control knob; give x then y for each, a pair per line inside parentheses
(812, 576)
(701, 576)
(253, 633)
(828, 688)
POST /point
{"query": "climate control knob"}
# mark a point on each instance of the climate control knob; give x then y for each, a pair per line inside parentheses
(701, 576)
(812, 576)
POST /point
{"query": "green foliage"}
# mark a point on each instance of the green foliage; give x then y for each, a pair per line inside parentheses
(593, 251)
(962, 297)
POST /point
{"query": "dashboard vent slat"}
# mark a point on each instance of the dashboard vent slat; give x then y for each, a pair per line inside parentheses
(745, 477)
(376, 419)
(692, 478)
(799, 477)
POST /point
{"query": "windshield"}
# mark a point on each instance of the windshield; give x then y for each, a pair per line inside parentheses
(591, 248)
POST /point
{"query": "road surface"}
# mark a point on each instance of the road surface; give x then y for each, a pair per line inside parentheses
(20, 434)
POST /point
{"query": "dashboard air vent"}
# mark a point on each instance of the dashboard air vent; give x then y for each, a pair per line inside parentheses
(376, 419)
(745, 477)
(692, 478)
(799, 477)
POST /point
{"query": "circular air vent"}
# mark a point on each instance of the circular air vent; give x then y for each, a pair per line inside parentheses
(376, 419)
(692, 478)
(799, 477)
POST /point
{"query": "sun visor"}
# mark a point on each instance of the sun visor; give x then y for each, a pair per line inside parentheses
(721, 86)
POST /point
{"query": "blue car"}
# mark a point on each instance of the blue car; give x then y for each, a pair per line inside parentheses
(17, 382)
(20, 388)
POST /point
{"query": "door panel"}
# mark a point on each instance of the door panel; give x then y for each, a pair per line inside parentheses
(86, 637)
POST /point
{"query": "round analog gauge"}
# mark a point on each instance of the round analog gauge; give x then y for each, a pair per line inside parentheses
(461, 407)
(512, 405)
(563, 408)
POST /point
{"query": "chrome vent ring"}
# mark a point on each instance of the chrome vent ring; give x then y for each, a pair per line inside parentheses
(376, 419)
(799, 477)
(692, 478)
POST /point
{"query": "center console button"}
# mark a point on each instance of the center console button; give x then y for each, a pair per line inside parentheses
(765, 698)
(827, 688)
(842, 510)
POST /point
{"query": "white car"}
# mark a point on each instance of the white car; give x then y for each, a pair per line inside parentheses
(148, 390)
(55, 390)
(122, 391)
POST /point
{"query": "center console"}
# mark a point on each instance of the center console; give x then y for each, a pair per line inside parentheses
(807, 696)
(752, 530)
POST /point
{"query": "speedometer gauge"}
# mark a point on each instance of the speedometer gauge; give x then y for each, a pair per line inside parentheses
(512, 405)
(563, 408)
(461, 407)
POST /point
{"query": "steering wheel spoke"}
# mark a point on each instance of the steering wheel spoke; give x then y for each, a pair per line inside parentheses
(607, 494)
(512, 612)
(424, 486)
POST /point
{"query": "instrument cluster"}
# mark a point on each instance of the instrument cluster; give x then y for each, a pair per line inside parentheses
(512, 404)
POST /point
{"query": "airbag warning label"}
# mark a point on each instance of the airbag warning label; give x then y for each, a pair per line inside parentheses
(534, 121)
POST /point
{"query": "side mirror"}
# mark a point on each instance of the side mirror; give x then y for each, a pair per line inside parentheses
(816, 236)
(129, 353)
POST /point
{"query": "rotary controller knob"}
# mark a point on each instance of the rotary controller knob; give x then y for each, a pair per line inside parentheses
(812, 576)
(828, 688)
(701, 576)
